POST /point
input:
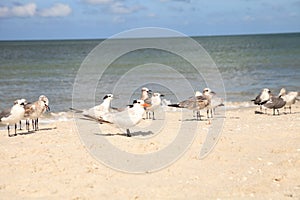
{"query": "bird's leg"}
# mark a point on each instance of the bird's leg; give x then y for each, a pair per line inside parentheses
(8, 131)
(290, 109)
(278, 111)
(33, 123)
(212, 111)
(153, 118)
(37, 124)
(27, 125)
(128, 134)
(198, 115)
(273, 111)
(20, 125)
(16, 127)
(207, 112)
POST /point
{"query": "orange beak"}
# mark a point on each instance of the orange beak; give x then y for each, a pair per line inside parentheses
(146, 105)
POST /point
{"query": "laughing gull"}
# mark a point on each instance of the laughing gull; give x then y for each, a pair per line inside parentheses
(267, 100)
(195, 103)
(155, 104)
(289, 98)
(125, 119)
(34, 110)
(13, 116)
(262, 98)
(214, 103)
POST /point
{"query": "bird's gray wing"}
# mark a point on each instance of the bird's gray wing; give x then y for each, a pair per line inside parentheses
(4, 113)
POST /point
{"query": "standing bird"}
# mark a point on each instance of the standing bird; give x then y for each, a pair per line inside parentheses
(289, 98)
(155, 104)
(215, 102)
(125, 119)
(262, 98)
(195, 103)
(145, 96)
(34, 110)
(13, 116)
(99, 110)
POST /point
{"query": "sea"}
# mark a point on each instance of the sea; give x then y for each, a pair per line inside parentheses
(245, 64)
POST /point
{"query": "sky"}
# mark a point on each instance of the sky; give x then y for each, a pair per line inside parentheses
(89, 19)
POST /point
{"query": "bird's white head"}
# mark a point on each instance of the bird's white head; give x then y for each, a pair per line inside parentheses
(282, 92)
(156, 94)
(21, 102)
(45, 100)
(265, 94)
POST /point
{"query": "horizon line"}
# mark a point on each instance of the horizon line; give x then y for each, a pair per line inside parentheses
(193, 36)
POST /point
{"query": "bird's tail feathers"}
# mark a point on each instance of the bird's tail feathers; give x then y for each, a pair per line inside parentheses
(76, 110)
(174, 105)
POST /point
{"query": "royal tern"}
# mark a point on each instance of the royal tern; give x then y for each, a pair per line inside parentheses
(13, 115)
(34, 110)
(99, 110)
(126, 119)
(289, 98)
(155, 104)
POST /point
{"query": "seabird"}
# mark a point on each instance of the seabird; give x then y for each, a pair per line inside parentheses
(214, 103)
(195, 103)
(155, 104)
(13, 116)
(145, 96)
(125, 119)
(262, 98)
(34, 110)
(289, 98)
(99, 110)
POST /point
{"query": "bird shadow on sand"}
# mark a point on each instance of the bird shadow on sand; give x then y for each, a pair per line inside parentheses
(33, 131)
(193, 120)
(271, 114)
(138, 133)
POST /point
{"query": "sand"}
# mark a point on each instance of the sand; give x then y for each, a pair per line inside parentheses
(256, 157)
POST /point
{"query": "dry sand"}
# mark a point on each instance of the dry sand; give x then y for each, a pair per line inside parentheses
(256, 157)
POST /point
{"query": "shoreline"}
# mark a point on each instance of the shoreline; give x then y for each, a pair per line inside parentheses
(256, 156)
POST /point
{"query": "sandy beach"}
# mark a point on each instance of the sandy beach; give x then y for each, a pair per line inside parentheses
(257, 157)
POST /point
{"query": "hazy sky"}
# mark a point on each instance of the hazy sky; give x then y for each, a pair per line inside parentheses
(72, 19)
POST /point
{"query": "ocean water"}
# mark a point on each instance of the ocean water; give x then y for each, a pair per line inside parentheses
(246, 64)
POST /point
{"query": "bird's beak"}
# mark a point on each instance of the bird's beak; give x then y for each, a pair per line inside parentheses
(212, 92)
(146, 105)
(150, 91)
(47, 108)
(162, 95)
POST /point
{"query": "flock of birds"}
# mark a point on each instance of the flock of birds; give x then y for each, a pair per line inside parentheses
(143, 108)
(266, 100)
(23, 110)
